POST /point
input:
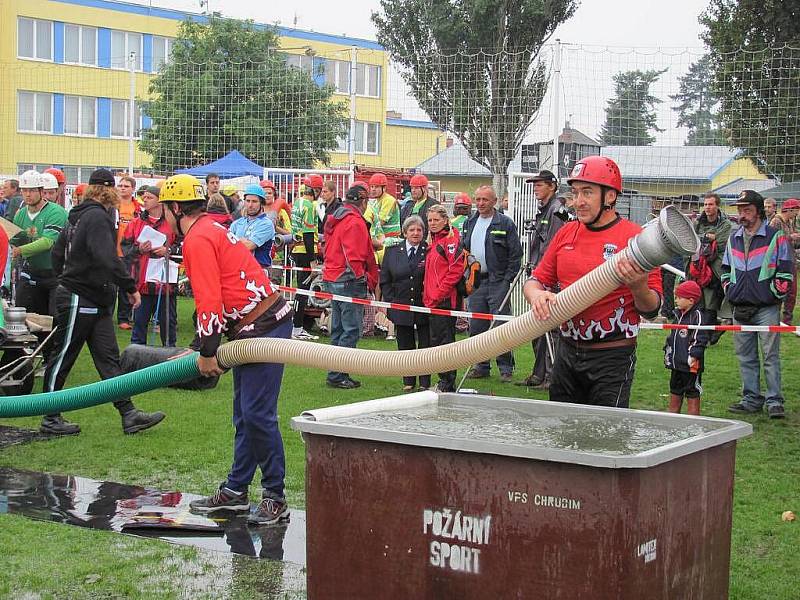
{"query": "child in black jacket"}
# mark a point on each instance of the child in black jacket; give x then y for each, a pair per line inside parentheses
(683, 352)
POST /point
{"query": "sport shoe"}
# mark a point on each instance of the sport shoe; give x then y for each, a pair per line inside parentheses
(269, 512)
(58, 425)
(545, 385)
(390, 338)
(742, 409)
(302, 334)
(223, 499)
(776, 411)
(506, 377)
(136, 420)
(476, 374)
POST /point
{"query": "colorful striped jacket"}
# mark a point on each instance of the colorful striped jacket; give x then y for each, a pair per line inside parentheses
(761, 275)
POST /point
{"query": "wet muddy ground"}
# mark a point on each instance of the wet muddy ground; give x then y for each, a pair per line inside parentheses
(268, 559)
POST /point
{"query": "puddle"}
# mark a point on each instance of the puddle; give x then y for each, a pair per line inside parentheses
(146, 512)
(9, 436)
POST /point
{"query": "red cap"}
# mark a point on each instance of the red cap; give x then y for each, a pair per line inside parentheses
(266, 183)
(314, 181)
(791, 203)
(690, 290)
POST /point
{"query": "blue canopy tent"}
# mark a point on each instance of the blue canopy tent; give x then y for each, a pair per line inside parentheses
(233, 164)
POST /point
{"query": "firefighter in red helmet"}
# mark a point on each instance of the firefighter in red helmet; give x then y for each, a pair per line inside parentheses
(595, 360)
(421, 200)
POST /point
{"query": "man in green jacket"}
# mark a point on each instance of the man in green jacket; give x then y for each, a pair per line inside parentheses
(41, 222)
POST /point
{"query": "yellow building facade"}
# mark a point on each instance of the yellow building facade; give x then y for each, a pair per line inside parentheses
(68, 83)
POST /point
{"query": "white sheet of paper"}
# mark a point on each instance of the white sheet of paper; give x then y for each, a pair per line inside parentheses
(155, 271)
(148, 234)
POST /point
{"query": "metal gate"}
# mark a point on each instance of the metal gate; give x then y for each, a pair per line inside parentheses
(288, 180)
(522, 209)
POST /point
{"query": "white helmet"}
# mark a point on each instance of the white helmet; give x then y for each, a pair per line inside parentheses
(30, 180)
(49, 181)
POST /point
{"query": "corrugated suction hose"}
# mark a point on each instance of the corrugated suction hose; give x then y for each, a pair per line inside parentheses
(670, 234)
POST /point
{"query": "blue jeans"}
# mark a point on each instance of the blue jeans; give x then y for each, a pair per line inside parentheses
(346, 318)
(167, 326)
(257, 441)
(487, 299)
(746, 345)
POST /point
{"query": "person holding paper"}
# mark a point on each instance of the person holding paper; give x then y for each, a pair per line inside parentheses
(145, 246)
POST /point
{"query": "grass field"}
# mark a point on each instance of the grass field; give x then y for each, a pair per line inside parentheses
(191, 451)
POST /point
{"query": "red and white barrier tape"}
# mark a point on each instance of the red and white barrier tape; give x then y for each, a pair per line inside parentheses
(303, 269)
(491, 317)
(407, 307)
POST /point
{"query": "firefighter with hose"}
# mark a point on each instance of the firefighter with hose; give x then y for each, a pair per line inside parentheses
(234, 296)
(595, 361)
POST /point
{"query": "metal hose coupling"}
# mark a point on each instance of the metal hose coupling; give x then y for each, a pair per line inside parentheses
(672, 233)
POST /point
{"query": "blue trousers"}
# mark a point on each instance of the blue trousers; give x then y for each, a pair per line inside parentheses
(346, 318)
(143, 314)
(258, 442)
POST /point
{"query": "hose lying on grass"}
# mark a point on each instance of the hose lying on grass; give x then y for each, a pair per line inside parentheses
(670, 234)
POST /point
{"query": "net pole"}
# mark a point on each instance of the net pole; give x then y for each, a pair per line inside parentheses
(556, 120)
(351, 145)
(131, 108)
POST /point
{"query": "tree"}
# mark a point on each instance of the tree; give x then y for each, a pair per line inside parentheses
(226, 86)
(755, 50)
(696, 102)
(474, 67)
(630, 114)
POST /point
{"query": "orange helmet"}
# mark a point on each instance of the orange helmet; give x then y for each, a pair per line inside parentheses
(80, 189)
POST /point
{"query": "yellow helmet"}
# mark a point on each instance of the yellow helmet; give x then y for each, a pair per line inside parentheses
(182, 188)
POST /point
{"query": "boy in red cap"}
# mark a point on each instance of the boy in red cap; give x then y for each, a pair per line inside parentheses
(683, 352)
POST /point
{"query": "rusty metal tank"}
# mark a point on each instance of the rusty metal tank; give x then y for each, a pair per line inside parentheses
(466, 496)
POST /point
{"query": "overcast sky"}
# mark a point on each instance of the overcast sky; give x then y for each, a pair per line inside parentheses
(608, 22)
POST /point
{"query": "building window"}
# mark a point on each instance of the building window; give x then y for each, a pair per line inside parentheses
(366, 139)
(80, 45)
(34, 38)
(162, 47)
(80, 115)
(122, 44)
(304, 63)
(120, 120)
(34, 112)
(368, 79)
(337, 74)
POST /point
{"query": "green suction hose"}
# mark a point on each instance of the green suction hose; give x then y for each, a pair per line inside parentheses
(130, 384)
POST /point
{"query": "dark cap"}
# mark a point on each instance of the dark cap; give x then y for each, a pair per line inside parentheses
(102, 177)
(543, 175)
(748, 197)
(151, 189)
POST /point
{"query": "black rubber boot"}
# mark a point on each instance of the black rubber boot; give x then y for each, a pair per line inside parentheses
(58, 425)
(136, 420)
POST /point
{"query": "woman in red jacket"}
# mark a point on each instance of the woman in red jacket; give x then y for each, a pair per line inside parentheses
(444, 268)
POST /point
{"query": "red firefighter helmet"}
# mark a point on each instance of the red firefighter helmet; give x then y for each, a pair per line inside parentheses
(463, 198)
(599, 170)
(419, 180)
(313, 181)
(379, 179)
(267, 184)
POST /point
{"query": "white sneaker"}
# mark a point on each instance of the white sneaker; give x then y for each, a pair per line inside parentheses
(302, 334)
